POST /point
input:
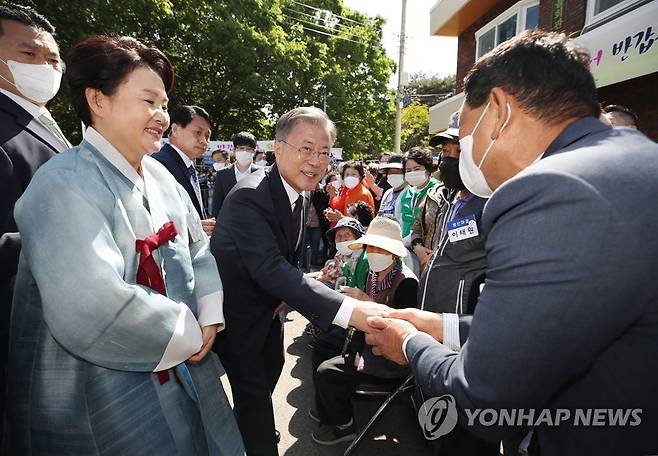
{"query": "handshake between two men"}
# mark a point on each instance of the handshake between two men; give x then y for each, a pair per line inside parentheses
(387, 328)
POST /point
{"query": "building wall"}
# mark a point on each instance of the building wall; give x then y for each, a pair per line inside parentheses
(576, 13)
(466, 43)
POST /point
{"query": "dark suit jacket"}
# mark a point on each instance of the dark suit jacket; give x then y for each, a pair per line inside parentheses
(256, 259)
(25, 144)
(224, 182)
(568, 317)
(168, 156)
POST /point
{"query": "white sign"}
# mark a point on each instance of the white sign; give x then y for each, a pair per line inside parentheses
(624, 48)
(337, 153)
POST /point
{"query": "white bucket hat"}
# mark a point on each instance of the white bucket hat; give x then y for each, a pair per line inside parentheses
(384, 233)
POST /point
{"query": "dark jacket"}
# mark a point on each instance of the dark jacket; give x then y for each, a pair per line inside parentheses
(25, 145)
(224, 182)
(453, 275)
(170, 158)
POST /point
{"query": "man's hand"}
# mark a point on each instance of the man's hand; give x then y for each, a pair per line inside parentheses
(208, 334)
(364, 309)
(423, 253)
(387, 338)
(208, 225)
(355, 293)
(427, 322)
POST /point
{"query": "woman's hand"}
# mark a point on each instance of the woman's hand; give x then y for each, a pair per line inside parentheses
(332, 215)
(208, 334)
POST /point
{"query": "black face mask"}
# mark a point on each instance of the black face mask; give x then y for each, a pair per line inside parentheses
(449, 169)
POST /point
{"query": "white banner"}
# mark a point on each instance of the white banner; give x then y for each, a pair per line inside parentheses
(624, 48)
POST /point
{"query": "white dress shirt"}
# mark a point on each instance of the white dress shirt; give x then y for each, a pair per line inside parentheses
(345, 310)
(239, 175)
(187, 338)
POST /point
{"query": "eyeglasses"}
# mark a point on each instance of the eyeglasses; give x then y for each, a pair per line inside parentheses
(307, 153)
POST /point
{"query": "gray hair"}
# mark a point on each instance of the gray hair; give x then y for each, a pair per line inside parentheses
(310, 114)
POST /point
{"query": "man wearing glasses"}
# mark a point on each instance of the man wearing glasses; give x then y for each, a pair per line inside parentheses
(257, 242)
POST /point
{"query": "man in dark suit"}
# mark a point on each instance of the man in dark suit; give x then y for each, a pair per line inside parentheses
(28, 134)
(568, 316)
(244, 147)
(257, 242)
(188, 140)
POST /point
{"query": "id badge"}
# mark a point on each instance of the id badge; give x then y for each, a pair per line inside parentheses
(462, 228)
(194, 228)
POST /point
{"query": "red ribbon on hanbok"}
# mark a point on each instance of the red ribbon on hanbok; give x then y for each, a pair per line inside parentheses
(148, 273)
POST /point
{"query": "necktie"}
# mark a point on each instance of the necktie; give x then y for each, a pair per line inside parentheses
(197, 190)
(148, 274)
(297, 220)
(51, 125)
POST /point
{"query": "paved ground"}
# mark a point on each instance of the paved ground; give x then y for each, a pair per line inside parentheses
(294, 396)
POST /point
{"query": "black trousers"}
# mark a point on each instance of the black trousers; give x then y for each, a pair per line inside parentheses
(253, 369)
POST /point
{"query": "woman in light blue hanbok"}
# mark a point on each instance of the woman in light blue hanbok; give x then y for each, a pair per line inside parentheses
(117, 300)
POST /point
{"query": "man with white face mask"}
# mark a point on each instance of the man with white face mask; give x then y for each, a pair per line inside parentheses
(244, 147)
(567, 316)
(30, 73)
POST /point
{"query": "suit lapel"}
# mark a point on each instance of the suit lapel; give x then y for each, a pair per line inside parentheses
(282, 209)
(32, 125)
(183, 177)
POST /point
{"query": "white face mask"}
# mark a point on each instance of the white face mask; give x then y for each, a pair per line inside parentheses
(379, 261)
(416, 178)
(351, 181)
(471, 174)
(218, 166)
(38, 83)
(395, 180)
(261, 162)
(343, 249)
(244, 157)
(336, 183)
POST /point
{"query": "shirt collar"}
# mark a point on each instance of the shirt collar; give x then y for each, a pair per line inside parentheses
(240, 173)
(291, 192)
(188, 162)
(114, 156)
(34, 110)
(577, 130)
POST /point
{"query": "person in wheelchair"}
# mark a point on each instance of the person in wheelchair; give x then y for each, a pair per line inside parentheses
(388, 282)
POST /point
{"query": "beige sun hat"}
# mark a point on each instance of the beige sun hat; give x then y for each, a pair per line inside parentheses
(384, 233)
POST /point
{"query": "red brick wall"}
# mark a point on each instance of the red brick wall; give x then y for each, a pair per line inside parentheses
(466, 46)
(576, 11)
(466, 43)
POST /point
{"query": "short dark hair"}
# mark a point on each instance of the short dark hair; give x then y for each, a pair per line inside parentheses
(25, 15)
(385, 154)
(244, 138)
(395, 158)
(183, 115)
(362, 212)
(357, 165)
(219, 151)
(420, 155)
(546, 72)
(104, 62)
(623, 110)
(258, 152)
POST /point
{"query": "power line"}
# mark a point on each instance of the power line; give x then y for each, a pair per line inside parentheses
(310, 23)
(332, 35)
(313, 16)
(323, 10)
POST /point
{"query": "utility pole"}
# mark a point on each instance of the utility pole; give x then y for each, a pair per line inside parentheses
(398, 95)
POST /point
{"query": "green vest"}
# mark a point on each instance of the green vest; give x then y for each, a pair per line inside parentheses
(411, 201)
(358, 279)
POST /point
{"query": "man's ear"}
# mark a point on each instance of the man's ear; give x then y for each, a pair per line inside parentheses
(499, 102)
(278, 145)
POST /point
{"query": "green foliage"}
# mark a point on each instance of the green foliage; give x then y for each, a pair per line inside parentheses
(249, 61)
(415, 124)
(430, 89)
